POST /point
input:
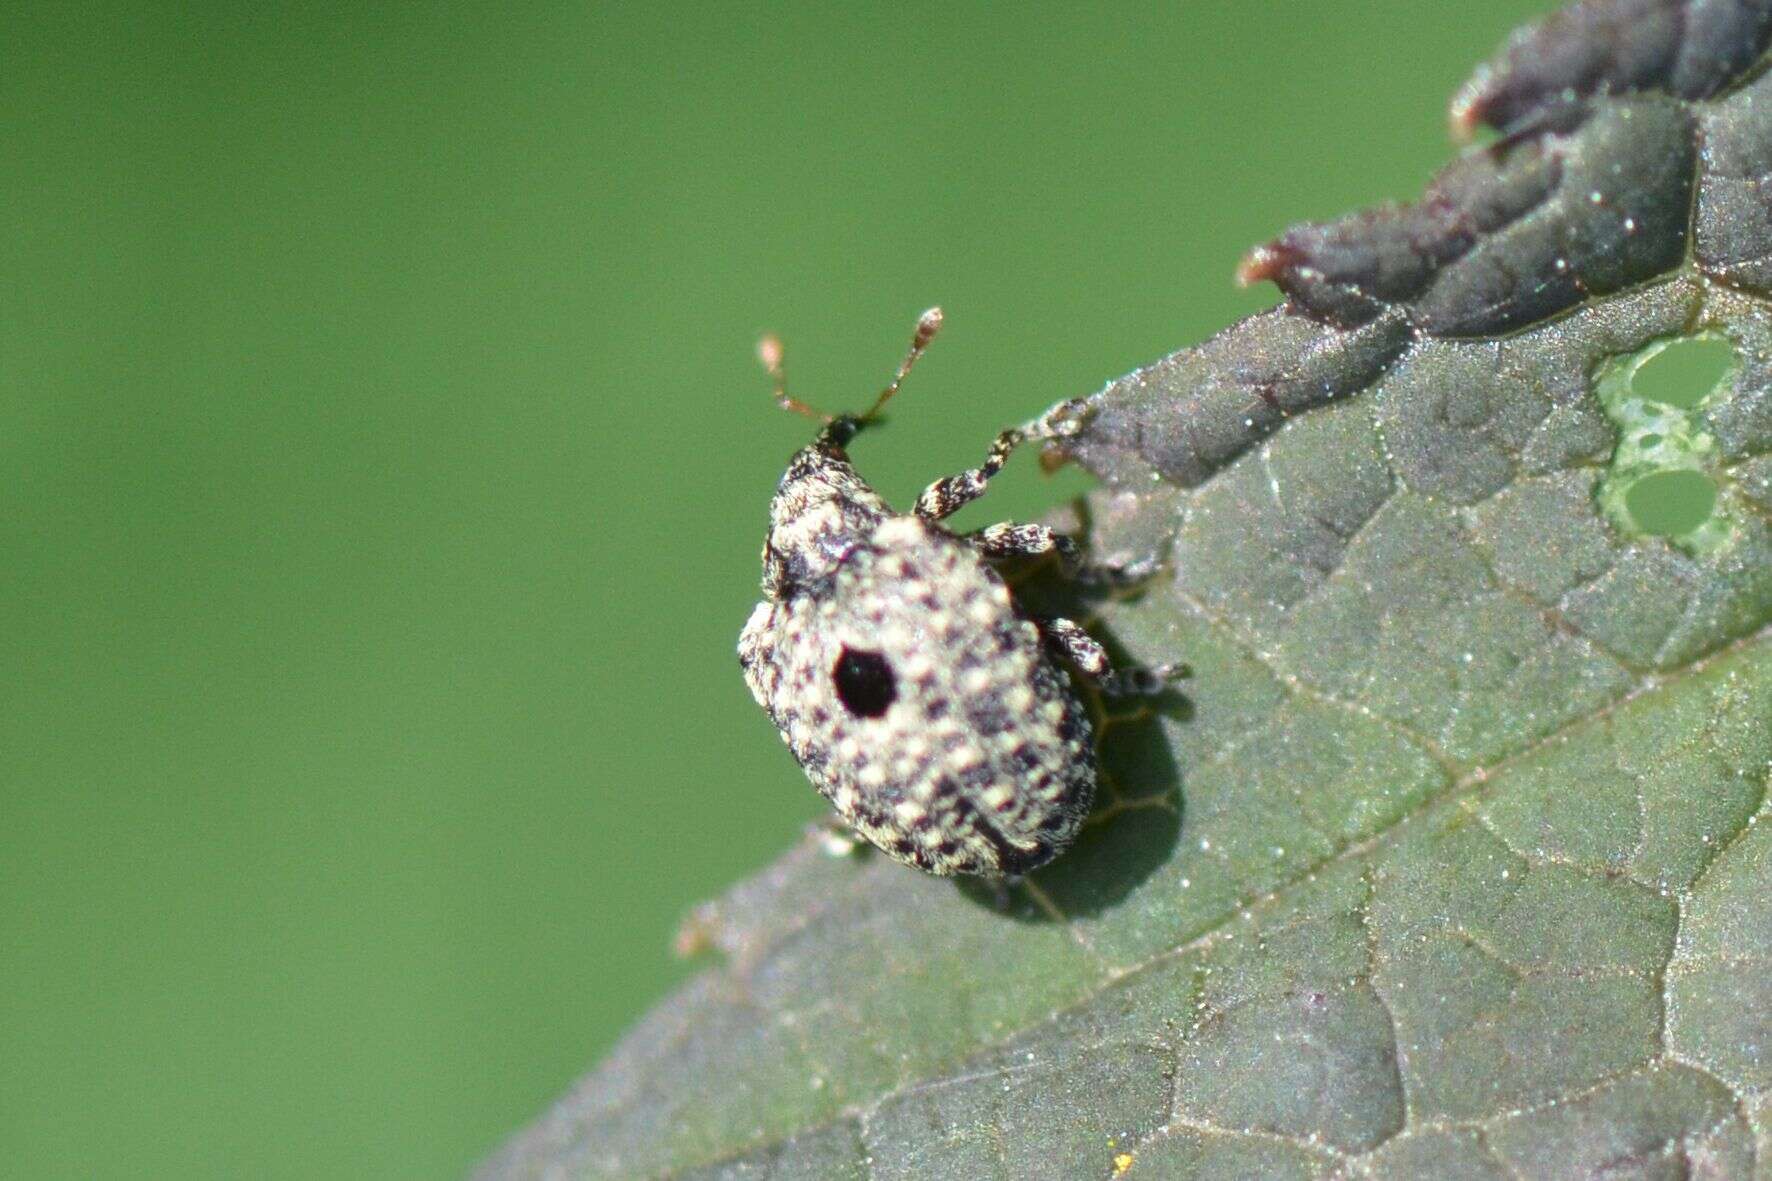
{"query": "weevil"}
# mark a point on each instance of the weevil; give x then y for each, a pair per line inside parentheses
(937, 717)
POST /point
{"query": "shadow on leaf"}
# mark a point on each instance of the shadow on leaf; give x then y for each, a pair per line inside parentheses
(1130, 833)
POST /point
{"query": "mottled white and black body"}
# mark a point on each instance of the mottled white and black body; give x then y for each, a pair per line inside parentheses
(893, 659)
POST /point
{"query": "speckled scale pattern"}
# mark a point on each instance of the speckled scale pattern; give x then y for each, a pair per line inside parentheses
(983, 762)
(895, 663)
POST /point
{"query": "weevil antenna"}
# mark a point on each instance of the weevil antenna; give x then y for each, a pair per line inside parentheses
(770, 352)
(928, 324)
(772, 355)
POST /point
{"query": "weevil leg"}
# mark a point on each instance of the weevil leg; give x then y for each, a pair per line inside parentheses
(1086, 653)
(1076, 646)
(834, 838)
(1124, 683)
(948, 495)
(1011, 540)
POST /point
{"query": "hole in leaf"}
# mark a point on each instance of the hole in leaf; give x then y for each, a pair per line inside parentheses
(1648, 441)
(1684, 372)
(865, 684)
(1668, 504)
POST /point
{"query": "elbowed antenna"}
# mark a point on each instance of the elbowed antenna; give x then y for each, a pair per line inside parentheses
(928, 324)
(769, 351)
(772, 355)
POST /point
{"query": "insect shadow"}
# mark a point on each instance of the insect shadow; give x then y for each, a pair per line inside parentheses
(1135, 822)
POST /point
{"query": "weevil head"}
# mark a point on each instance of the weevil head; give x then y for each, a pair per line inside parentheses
(821, 511)
(822, 508)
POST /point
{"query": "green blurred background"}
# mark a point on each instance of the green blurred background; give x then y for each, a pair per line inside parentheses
(385, 465)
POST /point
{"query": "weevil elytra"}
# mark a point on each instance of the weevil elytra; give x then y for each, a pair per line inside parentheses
(936, 716)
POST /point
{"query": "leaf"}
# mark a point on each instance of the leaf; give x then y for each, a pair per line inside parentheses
(1449, 863)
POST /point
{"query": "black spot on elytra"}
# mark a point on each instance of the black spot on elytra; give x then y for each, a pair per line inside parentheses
(865, 683)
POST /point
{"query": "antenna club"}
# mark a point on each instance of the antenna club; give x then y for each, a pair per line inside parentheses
(928, 324)
(769, 351)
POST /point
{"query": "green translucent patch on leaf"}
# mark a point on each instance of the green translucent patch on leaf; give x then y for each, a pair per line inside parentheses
(1671, 503)
(1663, 478)
(1683, 373)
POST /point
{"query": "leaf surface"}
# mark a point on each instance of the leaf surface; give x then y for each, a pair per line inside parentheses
(1450, 861)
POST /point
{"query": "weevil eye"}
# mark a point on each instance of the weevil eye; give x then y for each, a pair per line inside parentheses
(865, 684)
